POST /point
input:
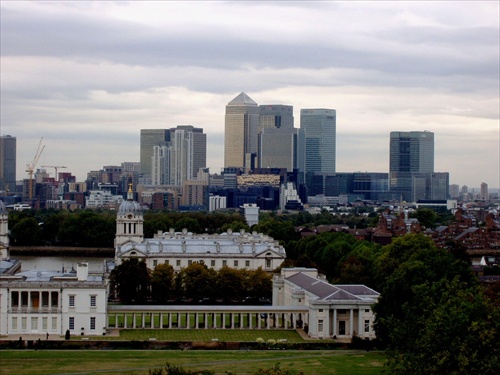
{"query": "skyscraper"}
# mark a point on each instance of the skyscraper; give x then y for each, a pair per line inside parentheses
(181, 158)
(277, 137)
(317, 143)
(241, 128)
(149, 139)
(412, 152)
(7, 163)
(411, 166)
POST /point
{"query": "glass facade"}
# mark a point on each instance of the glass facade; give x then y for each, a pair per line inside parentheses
(317, 142)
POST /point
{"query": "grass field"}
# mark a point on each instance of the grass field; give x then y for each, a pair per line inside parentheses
(206, 335)
(138, 362)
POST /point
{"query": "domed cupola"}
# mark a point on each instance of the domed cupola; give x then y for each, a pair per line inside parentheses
(4, 232)
(129, 221)
(130, 206)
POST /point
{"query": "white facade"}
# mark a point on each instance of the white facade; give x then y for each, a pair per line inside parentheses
(251, 212)
(53, 302)
(335, 311)
(216, 202)
(288, 193)
(180, 249)
(102, 198)
(4, 232)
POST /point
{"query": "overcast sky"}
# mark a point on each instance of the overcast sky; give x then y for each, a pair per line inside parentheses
(87, 76)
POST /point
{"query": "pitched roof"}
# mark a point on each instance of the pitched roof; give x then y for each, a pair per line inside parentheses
(328, 292)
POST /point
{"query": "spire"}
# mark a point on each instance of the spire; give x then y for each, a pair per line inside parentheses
(130, 193)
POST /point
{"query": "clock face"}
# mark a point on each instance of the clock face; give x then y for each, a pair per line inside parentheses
(130, 216)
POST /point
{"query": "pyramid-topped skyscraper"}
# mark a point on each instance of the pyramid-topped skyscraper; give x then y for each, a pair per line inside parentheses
(240, 137)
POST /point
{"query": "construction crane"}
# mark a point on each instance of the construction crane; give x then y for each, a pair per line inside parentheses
(31, 167)
(55, 167)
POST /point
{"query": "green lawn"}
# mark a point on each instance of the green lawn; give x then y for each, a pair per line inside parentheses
(138, 362)
(207, 335)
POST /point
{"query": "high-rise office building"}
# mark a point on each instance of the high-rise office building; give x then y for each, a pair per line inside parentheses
(181, 158)
(277, 137)
(277, 116)
(317, 143)
(412, 152)
(411, 167)
(241, 129)
(149, 139)
(8, 163)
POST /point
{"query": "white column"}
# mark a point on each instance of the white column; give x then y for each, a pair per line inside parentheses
(223, 320)
(335, 324)
(351, 321)
(360, 322)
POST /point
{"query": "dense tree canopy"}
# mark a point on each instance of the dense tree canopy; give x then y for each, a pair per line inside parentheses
(131, 280)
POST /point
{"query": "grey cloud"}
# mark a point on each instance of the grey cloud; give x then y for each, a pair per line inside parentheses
(86, 39)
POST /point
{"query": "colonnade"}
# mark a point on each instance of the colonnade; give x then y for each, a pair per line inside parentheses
(205, 319)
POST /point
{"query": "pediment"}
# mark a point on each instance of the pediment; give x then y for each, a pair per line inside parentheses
(269, 253)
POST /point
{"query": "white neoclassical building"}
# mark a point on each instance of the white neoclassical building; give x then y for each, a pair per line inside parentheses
(40, 302)
(334, 311)
(241, 250)
(4, 232)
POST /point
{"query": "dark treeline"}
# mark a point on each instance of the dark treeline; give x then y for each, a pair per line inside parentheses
(133, 283)
(96, 228)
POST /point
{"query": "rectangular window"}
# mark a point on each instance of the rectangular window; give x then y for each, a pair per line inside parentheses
(235, 263)
(24, 323)
(14, 323)
(92, 323)
(14, 302)
(54, 299)
(247, 263)
(24, 299)
(367, 310)
(54, 323)
(321, 310)
(166, 261)
(45, 299)
(71, 323)
(155, 263)
(367, 326)
(93, 301)
(34, 323)
(178, 262)
(212, 263)
(224, 263)
(268, 263)
(44, 323)
(72, 301)
(320, 325)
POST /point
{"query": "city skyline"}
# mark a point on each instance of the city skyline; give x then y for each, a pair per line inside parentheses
(87, 76)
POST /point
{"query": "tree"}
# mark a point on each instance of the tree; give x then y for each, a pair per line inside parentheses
(230, 282)
(426, 216)
(197, 281)
(162, 283)
(456, 331)
(26, 232)
(131, 280)
(258, 283)
(431, 314)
